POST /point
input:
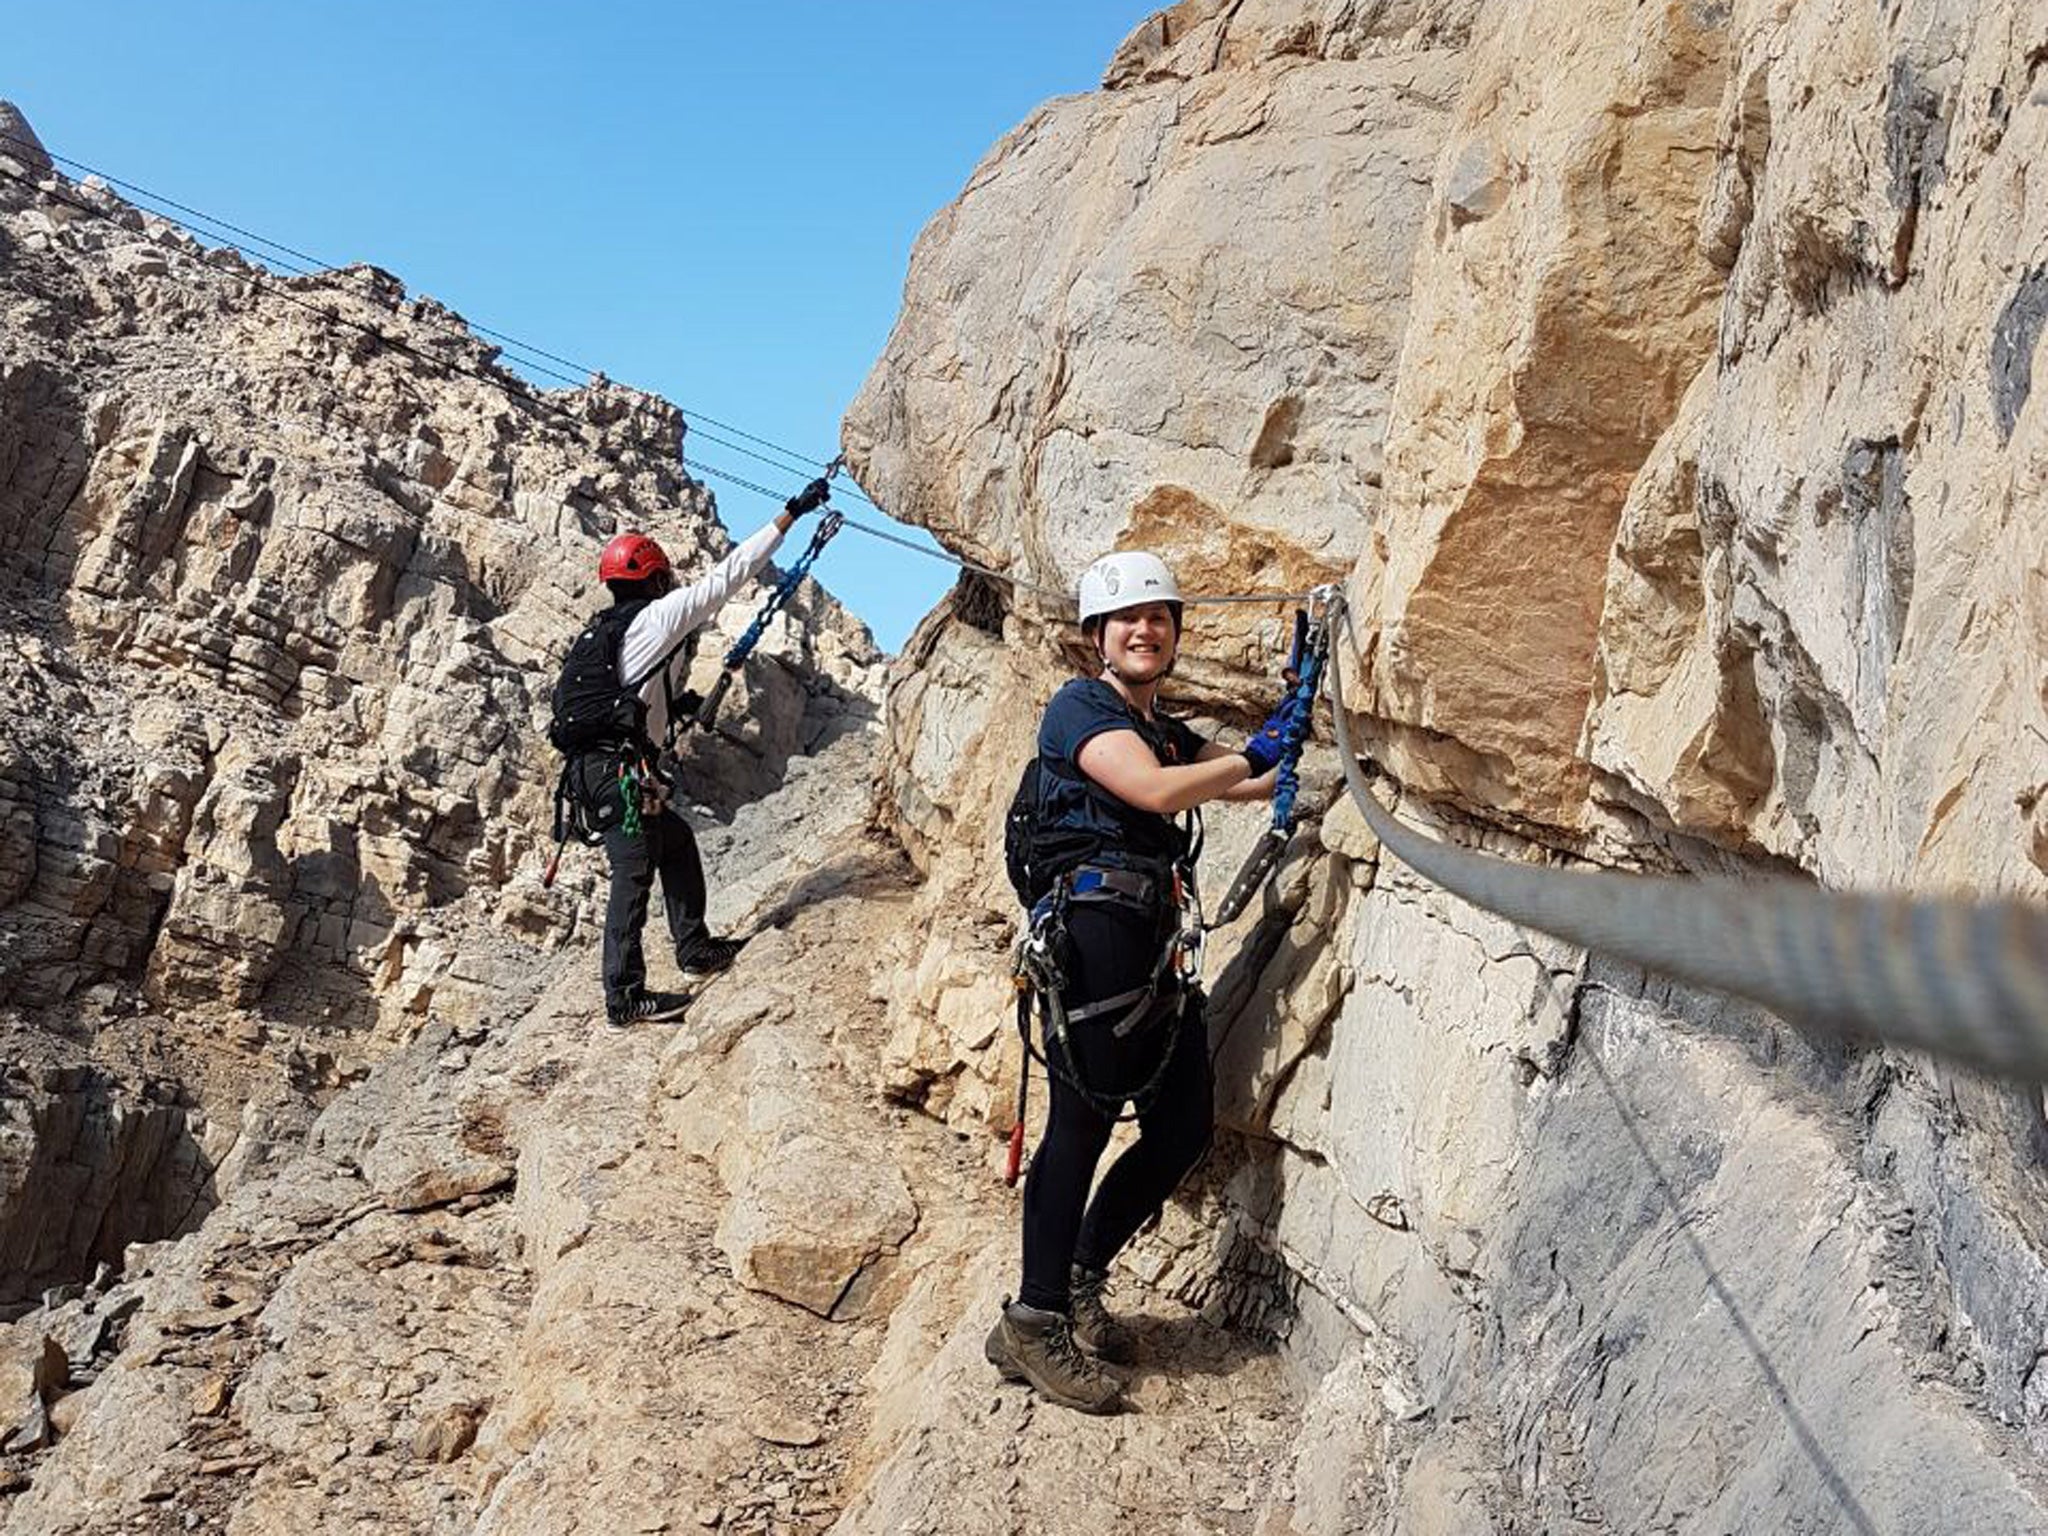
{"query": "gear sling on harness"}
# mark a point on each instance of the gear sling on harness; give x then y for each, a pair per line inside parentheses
(1173, 986)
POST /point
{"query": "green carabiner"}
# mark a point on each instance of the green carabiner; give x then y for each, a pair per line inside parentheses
(629, 792)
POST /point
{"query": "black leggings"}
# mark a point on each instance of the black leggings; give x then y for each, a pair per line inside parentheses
(1111, 949)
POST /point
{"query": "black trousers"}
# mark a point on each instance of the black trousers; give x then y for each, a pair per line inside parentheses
(666, 847)
(1110, 950)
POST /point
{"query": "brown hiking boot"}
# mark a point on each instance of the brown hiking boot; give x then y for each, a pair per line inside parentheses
(1096, 1330)
(1029, 1345)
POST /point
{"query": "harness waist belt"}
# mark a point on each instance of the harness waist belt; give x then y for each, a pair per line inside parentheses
(1094, 879)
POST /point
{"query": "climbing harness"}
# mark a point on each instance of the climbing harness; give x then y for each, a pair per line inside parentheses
(785, 589)
(1963, 979)
(1039, 977)
(593, 717)
(1306, 660)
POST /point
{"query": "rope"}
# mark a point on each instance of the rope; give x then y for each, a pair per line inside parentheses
(1967, 980)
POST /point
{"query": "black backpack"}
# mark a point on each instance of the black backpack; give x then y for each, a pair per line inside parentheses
(1035, 855)
(599, 724)
(592, 709)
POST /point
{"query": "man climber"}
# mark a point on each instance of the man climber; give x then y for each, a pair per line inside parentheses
(660, 620)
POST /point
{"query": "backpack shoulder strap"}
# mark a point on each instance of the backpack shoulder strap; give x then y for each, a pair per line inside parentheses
(613, 622)
(687, 646)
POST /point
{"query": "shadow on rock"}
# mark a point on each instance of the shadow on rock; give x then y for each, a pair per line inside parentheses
(854, 875)
(1171, 1348)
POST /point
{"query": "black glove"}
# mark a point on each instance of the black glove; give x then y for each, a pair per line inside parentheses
(809, 499)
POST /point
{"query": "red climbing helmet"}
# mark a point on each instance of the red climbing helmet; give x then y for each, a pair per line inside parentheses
(631, 557)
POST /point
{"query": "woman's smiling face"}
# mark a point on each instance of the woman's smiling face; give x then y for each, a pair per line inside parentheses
(1138, 644)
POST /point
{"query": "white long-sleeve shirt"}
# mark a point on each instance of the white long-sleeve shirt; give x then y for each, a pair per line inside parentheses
(658, 627)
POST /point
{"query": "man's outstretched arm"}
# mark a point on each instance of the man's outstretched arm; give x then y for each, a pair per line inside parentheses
(667, 619)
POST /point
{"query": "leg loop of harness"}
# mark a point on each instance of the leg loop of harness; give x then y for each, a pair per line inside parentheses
(1040, 975)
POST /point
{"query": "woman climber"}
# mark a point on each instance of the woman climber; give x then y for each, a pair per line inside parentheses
(1126, 1025)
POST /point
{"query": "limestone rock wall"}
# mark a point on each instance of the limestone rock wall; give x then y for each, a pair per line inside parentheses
(1855, 475)
(1197, 353)
(288, 568)
(1562, 307)
(1679, 318)
(1200, 347)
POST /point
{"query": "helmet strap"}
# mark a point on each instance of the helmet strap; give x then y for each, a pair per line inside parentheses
(1125, 684)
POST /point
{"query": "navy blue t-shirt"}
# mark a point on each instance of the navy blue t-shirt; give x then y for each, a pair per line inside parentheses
(1069, 799)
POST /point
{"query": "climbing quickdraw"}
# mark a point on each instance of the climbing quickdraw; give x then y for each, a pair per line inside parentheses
(736, 658)
(1304, 673)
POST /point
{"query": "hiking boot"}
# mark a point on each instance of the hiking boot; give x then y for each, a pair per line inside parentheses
(647, 1008)
(1096, 1329)
(1029, 1345)
(708, 956)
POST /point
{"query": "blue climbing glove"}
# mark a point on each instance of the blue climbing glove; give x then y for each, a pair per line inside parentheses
(809, 499)
(1283, 728)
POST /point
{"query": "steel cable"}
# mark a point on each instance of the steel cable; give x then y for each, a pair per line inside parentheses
(279, 253)
(1963, 979)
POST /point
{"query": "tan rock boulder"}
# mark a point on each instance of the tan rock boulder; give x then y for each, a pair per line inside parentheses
(809, 1223)
(1168, 313)
(441, 1160)
(753, 1085)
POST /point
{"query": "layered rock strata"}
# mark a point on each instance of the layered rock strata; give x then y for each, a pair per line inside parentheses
(289, 566)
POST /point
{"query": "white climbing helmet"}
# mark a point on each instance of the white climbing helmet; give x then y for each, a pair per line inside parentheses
(1124, 581)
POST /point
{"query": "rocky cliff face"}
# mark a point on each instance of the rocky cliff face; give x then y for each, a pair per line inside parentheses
(287, 568)
(1610, 351)
(1657, 376)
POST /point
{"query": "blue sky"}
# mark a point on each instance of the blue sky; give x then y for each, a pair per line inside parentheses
(713, 201)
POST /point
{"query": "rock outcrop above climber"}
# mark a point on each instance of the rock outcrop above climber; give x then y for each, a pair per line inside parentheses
(1562, 307)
